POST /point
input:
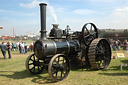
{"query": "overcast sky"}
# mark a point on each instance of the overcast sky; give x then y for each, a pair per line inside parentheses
(24, 15)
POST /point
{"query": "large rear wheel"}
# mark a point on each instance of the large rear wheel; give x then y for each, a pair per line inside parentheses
(99, 53)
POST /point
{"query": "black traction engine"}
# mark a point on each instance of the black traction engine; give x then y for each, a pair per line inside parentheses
(61, 49)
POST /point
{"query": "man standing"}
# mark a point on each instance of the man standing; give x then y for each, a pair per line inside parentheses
(22, 48)
(8, 48)
(3, 49)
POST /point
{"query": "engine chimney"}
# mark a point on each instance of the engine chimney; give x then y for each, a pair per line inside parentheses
(43, 20)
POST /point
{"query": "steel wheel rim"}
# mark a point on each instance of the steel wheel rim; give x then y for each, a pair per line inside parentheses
(32, 65)
(103, 55)
(59, 67)
(99, 53)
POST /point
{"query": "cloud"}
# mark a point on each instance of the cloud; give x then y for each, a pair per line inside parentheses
(17, 13)
(84, 11)
(59, 9)
(120, 12)
(88, 12)
(108, 1)
(118, 17)
(33, 4)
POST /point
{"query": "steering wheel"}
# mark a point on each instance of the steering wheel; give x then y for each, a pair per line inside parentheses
(89, 33)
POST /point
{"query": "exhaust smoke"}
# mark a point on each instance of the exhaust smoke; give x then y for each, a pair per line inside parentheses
(52, 12)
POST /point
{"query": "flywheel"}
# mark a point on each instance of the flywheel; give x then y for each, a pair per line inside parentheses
(99, 53)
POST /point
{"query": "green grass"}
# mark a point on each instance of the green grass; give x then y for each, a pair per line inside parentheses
(13, 72)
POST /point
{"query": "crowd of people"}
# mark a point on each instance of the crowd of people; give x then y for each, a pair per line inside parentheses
(117, 44)
(22, 47)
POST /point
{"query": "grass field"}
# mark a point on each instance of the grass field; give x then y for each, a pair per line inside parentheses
(13, 72)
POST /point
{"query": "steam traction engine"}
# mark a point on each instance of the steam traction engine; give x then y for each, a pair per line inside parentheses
(61, 48)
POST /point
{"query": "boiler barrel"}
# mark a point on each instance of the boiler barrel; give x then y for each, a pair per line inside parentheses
(46, 48)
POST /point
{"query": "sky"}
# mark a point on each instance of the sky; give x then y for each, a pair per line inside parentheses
(24, 15)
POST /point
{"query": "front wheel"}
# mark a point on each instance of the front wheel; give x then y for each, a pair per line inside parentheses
(59, 67)
(33, 65)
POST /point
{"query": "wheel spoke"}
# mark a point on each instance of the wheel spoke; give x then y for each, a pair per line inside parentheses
(91, 29)
(55, 71)
(32, 65)
(38, 68)
(32, 68)
(87, 30)
(31, 60)
(101, 47)
(106, 51)
(61, 74)
(106, 58)
(94, 33)
(98, 54)
(58, 59)
(57, 62)
(63, 61)
(87, 36)
(99, 50)
(34, 58)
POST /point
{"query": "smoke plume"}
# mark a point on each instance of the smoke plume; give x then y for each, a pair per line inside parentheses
(36, 3)
(52, 13)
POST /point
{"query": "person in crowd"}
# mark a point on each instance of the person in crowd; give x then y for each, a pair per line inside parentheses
(114, 45)
(28, 49)
(119, 44)
(22, 48)
(111, 42)
(125, 45)
(14, 46)
(32, 46)
(25, 46)
(3, 49)
(11, 45)
(17, 46)
(9, 49)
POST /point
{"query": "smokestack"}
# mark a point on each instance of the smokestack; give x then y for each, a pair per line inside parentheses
(43, 20)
